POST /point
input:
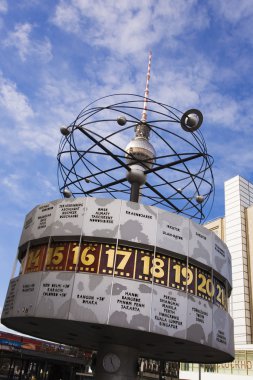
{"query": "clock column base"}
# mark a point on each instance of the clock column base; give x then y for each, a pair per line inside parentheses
(115, 362)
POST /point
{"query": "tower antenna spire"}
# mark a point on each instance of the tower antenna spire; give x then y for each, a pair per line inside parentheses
(146, 94)
(140, 153)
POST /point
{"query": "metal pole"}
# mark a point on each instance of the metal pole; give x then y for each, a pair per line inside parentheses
(135, 192)
(199, 371)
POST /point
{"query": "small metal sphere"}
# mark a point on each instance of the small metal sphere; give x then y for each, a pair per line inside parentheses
(67, 193)
(200, 199)
(192, 120)
(136, 175)
(121, 120)
(64, 131)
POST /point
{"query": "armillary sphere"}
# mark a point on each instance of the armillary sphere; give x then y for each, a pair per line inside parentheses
(113, 150)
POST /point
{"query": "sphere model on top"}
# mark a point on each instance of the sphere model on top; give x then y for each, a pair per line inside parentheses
(172, 167)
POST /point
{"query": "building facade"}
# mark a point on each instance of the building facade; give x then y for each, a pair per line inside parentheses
(236, 230)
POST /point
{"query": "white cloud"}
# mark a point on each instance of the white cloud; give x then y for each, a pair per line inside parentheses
(3, 6)
(67, 17)
(132, 26)
(14, 186)
(63, 92)
(20, 39)
(238, 15)
(27, 47)
(223, 110)
(235, 11)
(36, 127)
(233, 157)
(46, 184)
(14, 102)
(11, 182)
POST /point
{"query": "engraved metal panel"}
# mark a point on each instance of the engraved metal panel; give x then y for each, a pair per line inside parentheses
(222, 330)
(44, 219)
(91, 298)
(200, 243)
(199, 320)
(138, 223)
(55, 295)
(130, 304)
(101, 218)
(172, 232)
(68, 218)
(220, 257)
(169, 310)
(28, 228)
(10, 298)
(27, 294)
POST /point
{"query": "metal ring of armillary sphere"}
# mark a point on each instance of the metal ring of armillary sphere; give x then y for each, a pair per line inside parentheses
(95, 157)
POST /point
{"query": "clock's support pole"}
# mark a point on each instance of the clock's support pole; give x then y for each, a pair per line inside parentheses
(115, 362)
(135, 192)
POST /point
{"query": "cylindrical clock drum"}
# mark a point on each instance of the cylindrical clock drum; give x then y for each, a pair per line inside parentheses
(112, 273)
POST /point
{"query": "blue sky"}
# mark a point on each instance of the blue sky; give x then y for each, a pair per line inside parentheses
(56, 57)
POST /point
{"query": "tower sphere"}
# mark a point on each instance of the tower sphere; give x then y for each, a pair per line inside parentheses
(141, 151)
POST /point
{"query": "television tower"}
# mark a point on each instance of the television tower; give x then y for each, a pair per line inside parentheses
(140, 152)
